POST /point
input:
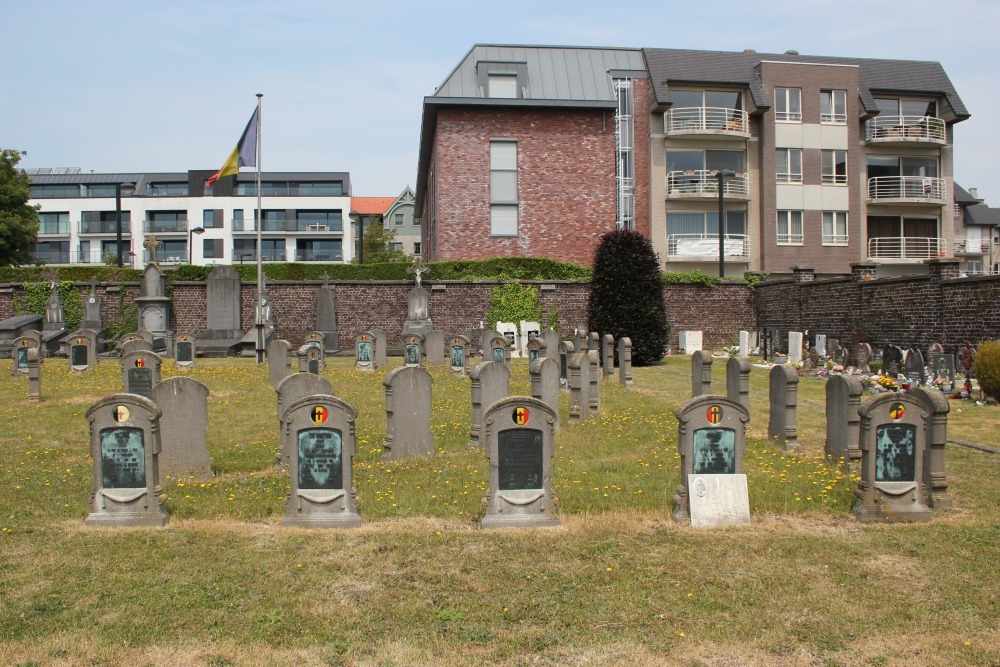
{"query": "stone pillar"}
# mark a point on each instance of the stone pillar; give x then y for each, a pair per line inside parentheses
(701, 373)
(579, 387)
(843, 424)
(625, 361)
(34, 376)
(804, 274)
(738, 381)
(784, 394)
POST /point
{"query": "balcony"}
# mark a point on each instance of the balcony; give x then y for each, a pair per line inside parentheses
(906, 190)
(706, 122)
(318, 256)
(906, 130)
(50, 257)
(166, 256)
(104, 227)
(165, 226)
(240, 255)
(973, 247)
(906, 248)
(281, 226)
(703, 184)
(53, 228)
(705, 247)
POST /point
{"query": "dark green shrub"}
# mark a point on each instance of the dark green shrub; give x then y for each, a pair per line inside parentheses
(988, 368)
(626, 295)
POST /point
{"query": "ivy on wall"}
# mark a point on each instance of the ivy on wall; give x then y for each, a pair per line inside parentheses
(32, 302)
(513, 302)
(124, 320)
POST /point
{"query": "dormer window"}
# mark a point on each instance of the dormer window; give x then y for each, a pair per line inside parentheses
(503, 85)
(502, 79)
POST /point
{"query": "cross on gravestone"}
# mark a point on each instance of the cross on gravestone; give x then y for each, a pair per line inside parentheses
(151, 244)
(293, 388)
(843, 399)
(738, 381)
(701, 373)
(625, 361)
(408, 400)
(490, 383)
(544, 379)
(783, 393)
(183, 428)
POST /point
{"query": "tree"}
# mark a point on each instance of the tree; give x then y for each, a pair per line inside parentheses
(18, 221)
(377, 244)
(626, 294)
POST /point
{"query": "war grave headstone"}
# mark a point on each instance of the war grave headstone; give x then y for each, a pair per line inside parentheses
(581, 338)
(484, 342)
(536, 349)
(408, 394)
(294, 387)
(794, 347)
(551, 338)
(579, 387)
(279, 360)
(498, 349)
(364, 351)
(34, 359)
(459, 354)
(701, 373)
(381, 348)
(125, 446)
(608, 355)
(19, 353)
(935, 478)
(711, 439)
(509, 331)
(520, 442)
(418, 317)
(594, 343)
(319, 435)
(784, 397)
(434, 350)
(83, 350)
(744, 343)
(326, 315)
(317, 339)
(843, 424)
(529, 331)
(689, 342)
(490, 383)
(594, 377)
(154, 306)
(136, 345)
(54, 328)
(15, 327)
(625, 361)
(184, 350)
(224, 332)
(310, 359)
(544, 377)
(892, 360)
(893, 442)
(913, 366)
(738, 381)
(140, 372)
(413, 350)
(943, 368)
(136, 335)
(183, 428)
(820, 346)
(566, 349)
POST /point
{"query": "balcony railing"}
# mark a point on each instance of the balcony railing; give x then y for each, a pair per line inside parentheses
(53, 228)
(164, 226)
(318, 256)
(902, 189)
(293, 225)
(905, 247)
(706, 120)
(50, 257)
(682, 246)
(906, 129)
(104, 227)
(240, 255)
(702, 183)
(166, 256)
(973, 247)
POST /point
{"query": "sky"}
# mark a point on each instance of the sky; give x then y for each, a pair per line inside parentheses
(144, 86)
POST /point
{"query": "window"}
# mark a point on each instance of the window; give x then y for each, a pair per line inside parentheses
(274, 220)
(316, 221)
(789, 227)
(834, 167)
(166, 189)
(788, 165)
(211, 218)
(166, 221)
(624, 145)
(104, 222)
(833, 106)
(52, 252)
(53, 223)
(834, 227)
(396, 245)
(399, 219)
(331, 189)
(319, 250)
(722, 99)
(171, 251)
(46, 191)
(788, 104)
(705, 223)
(211, 249)
(416, 248)
(889, 106)
(502, 85)
(98, 191)
(503, 188)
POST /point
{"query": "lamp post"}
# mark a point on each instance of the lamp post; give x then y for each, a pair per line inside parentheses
(722, 175)
(191, 233)
(126, 188)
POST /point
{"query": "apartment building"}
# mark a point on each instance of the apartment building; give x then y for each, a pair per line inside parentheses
(302, 217)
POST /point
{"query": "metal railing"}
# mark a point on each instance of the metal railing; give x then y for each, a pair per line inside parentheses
(703, 183)
(907, 187)
(974, 246)
(995, 271)
(707, 245)
(53, 228)
(905, 247)
(906, 128)
(166, 256)
(164, 226)
(104, 227)
(292, 225)
(240, 255)
(708, 120)
(50, 257)
(318, 256)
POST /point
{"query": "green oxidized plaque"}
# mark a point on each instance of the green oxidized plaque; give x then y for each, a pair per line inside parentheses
(458, 356)
(895, 453)
(22, 358)
(714, 451)
(184, 352)
(123, 458)
(320, 459)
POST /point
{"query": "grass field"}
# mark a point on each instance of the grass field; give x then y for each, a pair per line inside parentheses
(420, 584)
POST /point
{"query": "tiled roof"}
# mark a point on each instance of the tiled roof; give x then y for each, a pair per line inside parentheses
(371, 205)
(963, 196)
(981, 214)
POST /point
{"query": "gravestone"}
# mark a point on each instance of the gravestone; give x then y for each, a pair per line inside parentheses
(967, 357)
(544, 377)
(54, 328)
(625, 361)
(943, 368)
(566, 348)
(820, 346)
(459, 354)
(782, 426)
(608, 355)
(935, 479)
(381, 349)
(319, 435)
(136, 345)
(536, 349)
(689, 342)
(15, 327)
(92, 310)
(594, 377)
(935, 348)
(551, 338)
(154, 306)
(498, 350)
(701, 373)
(840, 356)
(581, 338)
(124, 447)
(831, 345)
(579, 387)
(913, 366)
(812, 361)
(136, 335)
(843, 425)
(279, 360)
(519, 438)
(529, 332)
(744, 343)
(224, 332)
(594, 343)
(263, 311)
(183, 428)
(794, 347)
(83, 350)
(509, 331)
(893, 443)
(711, 440)
(326, 315)
(418, 317)
(141, 372)
(33, 357)
(317, 339)
(184, 350)
(490, 383)
(364, 352)
(413, 350)
(892, 361)
(408, 413)
(310, 359)
(738, 381)
(434, 350)
(293, 388)
(863, 355)
(19, 352)
(484, 342)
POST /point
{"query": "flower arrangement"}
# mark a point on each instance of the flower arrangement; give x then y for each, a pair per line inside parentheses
(887, 382)
(839, 368)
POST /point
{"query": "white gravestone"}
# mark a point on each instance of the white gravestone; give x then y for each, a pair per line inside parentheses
(719, 500)
(794, 347)
(688, 342)
(744, 344)
(529, 331)
(509, 331)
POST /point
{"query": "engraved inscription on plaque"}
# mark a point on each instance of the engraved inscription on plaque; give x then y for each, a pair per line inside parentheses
(22, 358)
(320, 459)
(364, 352)
(140, 381)
(412, 354)
(498, 354)
(520, 459)
(714, 451)
(895, 452)
(78, 355)
(314, 366)
(532, 355)
(123, 461)
(185, 352)
(457, 356)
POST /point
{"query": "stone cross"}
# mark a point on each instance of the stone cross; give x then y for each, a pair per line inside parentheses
(151, 243)
(418, 270)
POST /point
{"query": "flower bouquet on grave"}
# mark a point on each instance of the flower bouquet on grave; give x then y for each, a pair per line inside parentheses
(887, 383)
(837, 369)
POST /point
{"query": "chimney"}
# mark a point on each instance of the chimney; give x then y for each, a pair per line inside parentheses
(974, 192)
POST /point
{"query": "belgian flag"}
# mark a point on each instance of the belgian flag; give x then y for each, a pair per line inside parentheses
(245, 153)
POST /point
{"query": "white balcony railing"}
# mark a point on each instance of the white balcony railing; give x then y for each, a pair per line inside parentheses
(907, 188)
(707, 245)
(706, 120)
(704, 183)
(905, 247)
(906, 129)
(974, 246)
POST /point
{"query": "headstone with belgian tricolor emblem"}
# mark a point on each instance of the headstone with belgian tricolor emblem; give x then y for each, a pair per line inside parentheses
(536, 349)
(364, 351)
(519, 437)
(458, 354)
(711, 440)
(19, 351)
(184, 350)
(317, 339)
(310, 359)
(413, 350)
(498, 349)
(408, 413)
(140, 372)
(294, 387)
(318, 432)
(82, 349)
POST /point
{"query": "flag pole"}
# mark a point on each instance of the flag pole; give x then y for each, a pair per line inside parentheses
(260, 264)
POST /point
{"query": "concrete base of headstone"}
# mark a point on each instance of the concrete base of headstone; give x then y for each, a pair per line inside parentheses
(319, 498)
(519, 520)
(876, 512)
(155, 517)
(719, 500)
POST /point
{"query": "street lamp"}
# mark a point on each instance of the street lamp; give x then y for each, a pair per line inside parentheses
(722, 175)
(191, 233)
(126, 188)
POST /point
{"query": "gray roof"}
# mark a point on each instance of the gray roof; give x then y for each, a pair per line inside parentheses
(142, 179)
(963, 196)
(981, 214)
(724, 67)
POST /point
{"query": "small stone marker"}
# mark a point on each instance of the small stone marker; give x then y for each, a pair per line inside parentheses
(711, 440)
(551, 338)
(319, 433)
(520, 435)
(293, 388)
(184, 350)
(893, 444)
(83, 349)
(701, 373)
(843, 425)
(935, 479)
(536, 349)
(943, 369)
(490, 383)
(608, 355)
(579, 387)
(413, 350)
(408, 413)
(544, 376)
(738, 381)
(529, 332)
(279, 360)
(625, 361)
(784, 395)
(509, 331)
(124, 446)
(498, 350)
(381, 349)
(594, 377)
(794, 347)
(141, 372)
(183, 428)
(689, 342)
(566, 349)
(310, 359)
(364, 352)
(434, 347)
(459, 354)
(719, 500)
(744, 343)
(34, 360)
